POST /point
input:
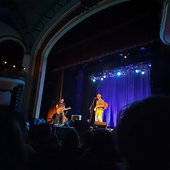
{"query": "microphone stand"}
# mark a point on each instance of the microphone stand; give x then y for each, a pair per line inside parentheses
(92, 110)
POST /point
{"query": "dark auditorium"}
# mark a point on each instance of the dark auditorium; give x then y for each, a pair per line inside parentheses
(84, 84)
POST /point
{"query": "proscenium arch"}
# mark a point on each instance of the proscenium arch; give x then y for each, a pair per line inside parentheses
(55, 38)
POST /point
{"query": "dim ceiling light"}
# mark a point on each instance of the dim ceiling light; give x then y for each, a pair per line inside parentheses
(4, 62)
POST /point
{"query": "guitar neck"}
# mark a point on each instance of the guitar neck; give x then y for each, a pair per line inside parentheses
(67, 108)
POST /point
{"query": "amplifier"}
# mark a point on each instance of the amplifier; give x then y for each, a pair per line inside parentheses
(75, 117)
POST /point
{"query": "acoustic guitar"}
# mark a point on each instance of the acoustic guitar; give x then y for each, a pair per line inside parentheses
(61, 109)
(105, 106)
(58, 110)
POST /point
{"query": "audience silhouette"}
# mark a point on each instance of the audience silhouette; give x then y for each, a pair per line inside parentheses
(141, 141)
(143, 133)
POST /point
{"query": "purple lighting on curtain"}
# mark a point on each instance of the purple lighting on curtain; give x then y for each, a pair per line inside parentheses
(119, 91)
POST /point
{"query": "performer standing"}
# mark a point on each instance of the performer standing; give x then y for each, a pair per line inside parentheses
(99, 109)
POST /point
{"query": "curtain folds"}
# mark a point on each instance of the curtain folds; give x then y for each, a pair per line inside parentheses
(120, 91)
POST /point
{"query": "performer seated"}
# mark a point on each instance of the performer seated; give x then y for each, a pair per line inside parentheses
(57, 114)
(60, 116)
(99, 108)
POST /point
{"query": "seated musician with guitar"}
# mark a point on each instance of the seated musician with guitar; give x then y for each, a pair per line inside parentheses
(58, 116)
(60, 112)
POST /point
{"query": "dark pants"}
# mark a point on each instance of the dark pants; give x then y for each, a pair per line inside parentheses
(59, 118)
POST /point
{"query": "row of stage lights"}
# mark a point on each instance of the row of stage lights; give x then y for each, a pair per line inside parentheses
(13, 66)
(139, 69)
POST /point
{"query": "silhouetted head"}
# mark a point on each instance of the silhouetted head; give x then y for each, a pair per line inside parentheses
(12, 149)
(143, 132)
(71, 139)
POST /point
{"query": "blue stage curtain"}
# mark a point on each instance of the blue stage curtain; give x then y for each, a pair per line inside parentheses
(119, 91)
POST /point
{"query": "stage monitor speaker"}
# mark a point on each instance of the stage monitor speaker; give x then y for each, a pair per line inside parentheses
(100, 124)
(165, 23)
(75, 117)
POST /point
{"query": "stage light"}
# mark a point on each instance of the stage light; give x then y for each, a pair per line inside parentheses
(142, 48)
(4, 62)
(142, 68)
(125, 57)
(121, 54)
(13, 66)
(118, 73)
(137, 71)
